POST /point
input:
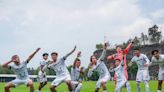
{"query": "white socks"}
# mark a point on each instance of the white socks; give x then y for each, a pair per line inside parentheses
(138, 86)
(128, 88)
(158, 90)
(78, 88)
(147, 86)
(104, 91)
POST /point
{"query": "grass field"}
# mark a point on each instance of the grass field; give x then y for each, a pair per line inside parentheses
(87, 87)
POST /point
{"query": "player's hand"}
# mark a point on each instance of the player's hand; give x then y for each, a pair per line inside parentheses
(75, 47)
(79, 54)
(106, 45)
(38, 49)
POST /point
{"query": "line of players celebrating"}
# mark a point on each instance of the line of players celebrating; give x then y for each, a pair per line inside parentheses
(73, 79)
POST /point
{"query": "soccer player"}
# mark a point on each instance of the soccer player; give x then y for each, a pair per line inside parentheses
(42, 74)
(119, 55)
(120, 74)
(99, 66)
(20, 69)
(143, 63)
(75, 74)
(159, 59)
(62, 73)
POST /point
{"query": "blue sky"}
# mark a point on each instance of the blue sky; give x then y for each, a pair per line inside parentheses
(58, 25)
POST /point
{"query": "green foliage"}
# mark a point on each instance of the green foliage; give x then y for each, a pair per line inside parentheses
(154, 34)
(99, 46)
(94, 76)
(132, 71)
(136, 41)
(5, 70)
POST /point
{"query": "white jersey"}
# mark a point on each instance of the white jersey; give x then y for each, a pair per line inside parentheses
(75, 74)
(20, 70)
(59, 67)
(43, 63)
(100, 67)
(141, 61)
(120, 74)
(161, 59)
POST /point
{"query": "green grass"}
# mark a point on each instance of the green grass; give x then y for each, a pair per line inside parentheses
(87, 87)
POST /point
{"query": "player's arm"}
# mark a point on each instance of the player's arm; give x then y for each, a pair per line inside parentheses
(47, 66)
(156, 62)
(82, 70)
(32, 55)
(111, 57)
(131, 62)
(65, 57)
(78, 54)
(153, 60)
(6, 65)
(147, 61)
(128, 48)
(102, 57)
(44, 68)
(90, 71)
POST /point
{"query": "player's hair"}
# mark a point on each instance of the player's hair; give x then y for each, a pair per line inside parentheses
(154, 51)
(119, 46)
(45, 54)
(54, 53)
(14, 56)
(118, 59)
(137, 48)
(74, 64)
(91, 57)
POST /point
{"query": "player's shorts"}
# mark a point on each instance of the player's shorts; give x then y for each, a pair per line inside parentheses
(42, 77)
(60, 79)
(17, 82)
(143, 75)
(119, 85)
(161, 75)
(125, 72)
(103, 79)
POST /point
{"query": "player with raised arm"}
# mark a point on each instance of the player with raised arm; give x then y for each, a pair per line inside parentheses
(99, 66)
(120, 55)
(20, 69)
(62, 73)
(143, 63)
(120, 74)
(76, 70)
(159, 59)
(42, 74)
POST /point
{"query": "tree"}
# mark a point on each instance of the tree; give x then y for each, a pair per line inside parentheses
(136, 41)
(154, 34)
(143, 38)
(99, 46)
